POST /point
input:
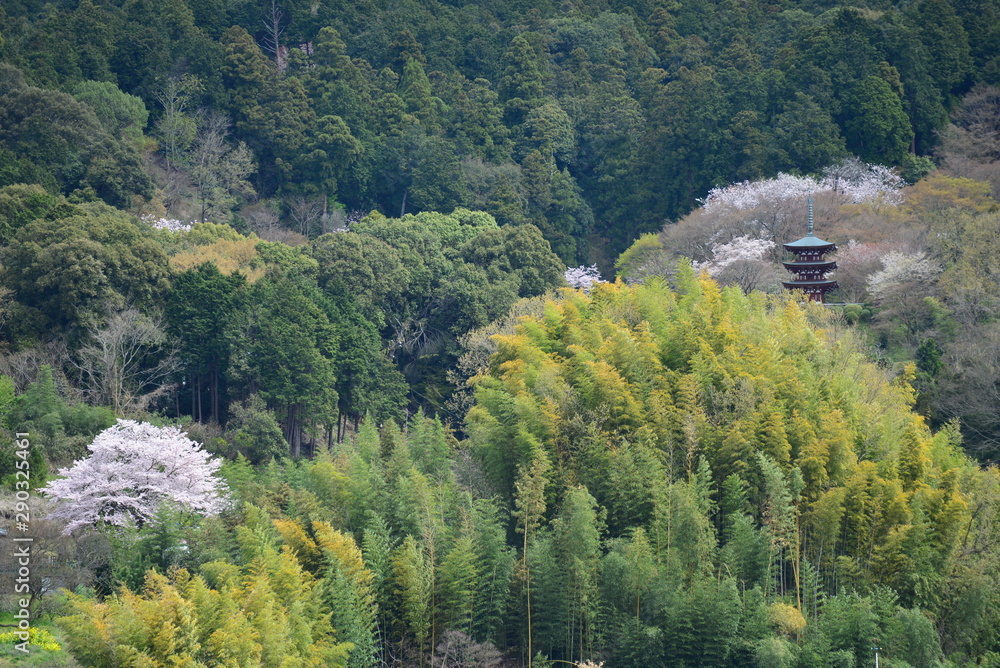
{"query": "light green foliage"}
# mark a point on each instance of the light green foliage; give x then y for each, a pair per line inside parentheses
(414, 582)
(495, 563)
(536, 558)
(183, 619)
(636, 263)
(777, 514)
(7, 394)
(913, 638)
(458, 577)
(121, 114)
(577, 539)
(430, 446)
(747, 551)
(850, 624)
(628, 572)
(659, 370)
(775, 653)
(700, 622)
(377, 548)
(59, 429)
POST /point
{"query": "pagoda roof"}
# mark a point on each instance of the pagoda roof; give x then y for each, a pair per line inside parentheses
(825, 264)
(807, 242)
(791, 285)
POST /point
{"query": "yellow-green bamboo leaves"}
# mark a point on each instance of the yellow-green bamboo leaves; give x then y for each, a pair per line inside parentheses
(630, 390)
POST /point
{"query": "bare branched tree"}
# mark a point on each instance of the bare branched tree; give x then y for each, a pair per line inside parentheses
(176, 128)
(58, 561)
(273, 32)
(306, 212)
(262, 220)
(219, 169)
(125, 363)
(335, 220)
(459, 650)
(970, 148)
(23, 367)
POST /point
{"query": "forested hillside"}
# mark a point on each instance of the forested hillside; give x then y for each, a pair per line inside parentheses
(594, 121)
(306, 357)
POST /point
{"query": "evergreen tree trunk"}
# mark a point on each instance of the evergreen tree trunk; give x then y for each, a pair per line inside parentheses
(293, 431)
(214, 390)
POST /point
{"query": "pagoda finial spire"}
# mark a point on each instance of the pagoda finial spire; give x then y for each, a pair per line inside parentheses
(810, 218)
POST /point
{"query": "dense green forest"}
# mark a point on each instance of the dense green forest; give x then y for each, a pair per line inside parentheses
(594, 121)
(301, 310)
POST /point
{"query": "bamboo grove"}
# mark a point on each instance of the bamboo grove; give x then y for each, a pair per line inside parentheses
(679, 476)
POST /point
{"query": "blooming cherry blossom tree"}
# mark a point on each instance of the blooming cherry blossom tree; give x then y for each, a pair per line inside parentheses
(752, 194)
(856, 181)
(856, 262)
(902, 272)
(169, 224)
(862, 182)
(134, 468)
(901, 288)
(583, 278)
(743, 261)
(740, 249)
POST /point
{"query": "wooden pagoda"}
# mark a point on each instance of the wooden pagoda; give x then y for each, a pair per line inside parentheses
(809, 267)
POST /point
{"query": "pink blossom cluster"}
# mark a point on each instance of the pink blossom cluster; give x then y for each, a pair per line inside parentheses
(857, 181)
(740, 249)
(134, 468)
(583, 277)
(169, 224)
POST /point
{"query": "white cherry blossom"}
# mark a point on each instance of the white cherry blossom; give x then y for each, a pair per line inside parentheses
(133, 468)
(169, 224)
(856, 181)
(583, 277)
